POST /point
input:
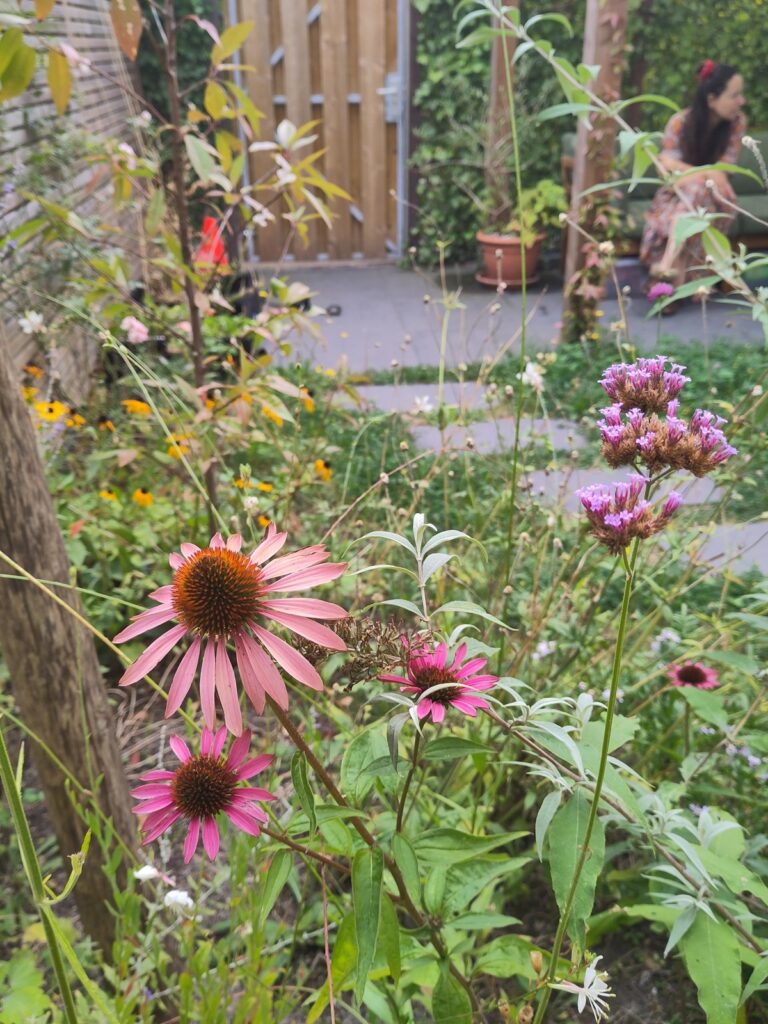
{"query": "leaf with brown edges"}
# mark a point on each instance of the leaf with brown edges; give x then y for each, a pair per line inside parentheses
(127, 23)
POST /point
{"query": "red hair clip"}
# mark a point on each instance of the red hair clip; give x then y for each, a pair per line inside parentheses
(706, 69)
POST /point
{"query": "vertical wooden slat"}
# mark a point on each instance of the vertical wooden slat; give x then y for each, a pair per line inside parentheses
(258, 85)
(372, 36)
(334, 78)
(297, 83)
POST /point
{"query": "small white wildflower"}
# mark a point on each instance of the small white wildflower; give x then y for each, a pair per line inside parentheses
(32, 322)
(543, 649)
(251, 505)
(533, 376)
(179, 900)
(422, 403)
(756, 391)
(666, 636)
(619, 695)
(605, 248)
(129, 153)
(594, 991)
(146, 874)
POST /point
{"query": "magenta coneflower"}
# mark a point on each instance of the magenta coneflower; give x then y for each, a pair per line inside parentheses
(219, 595)
(693, 673)
(435, 684)
(202, 787)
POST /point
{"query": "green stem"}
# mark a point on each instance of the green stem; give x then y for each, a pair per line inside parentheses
(34, 876)
(406, 785)
(584, 853)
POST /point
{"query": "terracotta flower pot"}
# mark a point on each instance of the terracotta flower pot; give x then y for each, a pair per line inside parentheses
(509, 247)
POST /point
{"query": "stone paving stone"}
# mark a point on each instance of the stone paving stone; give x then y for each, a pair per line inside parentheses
(404, 397)
(563, 484)
(499, 435)
(739, 546)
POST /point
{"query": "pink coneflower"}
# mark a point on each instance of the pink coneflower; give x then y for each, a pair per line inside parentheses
(437, 684)
(220, 595)
(137, 331)
(202, 787)
(693, 673)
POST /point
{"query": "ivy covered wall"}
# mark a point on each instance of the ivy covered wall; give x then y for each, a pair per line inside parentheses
(668, 39)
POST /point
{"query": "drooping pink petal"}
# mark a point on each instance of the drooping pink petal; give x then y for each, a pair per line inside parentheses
(189, 549)
(157, 773)
(271, 544)
(162, 825)
(309, 577)
(183, 678)
(440, 654)
(156, 651)
(206, 741)
(151, 789)
(423, 708)
(208, 685)
(289, 658)
(310, 630)
(461, 653)
(254, 766)
(397, 679)
(158, 803)
(468, 709)
(264, 669)
(474, 665)
(190, 843)
(218, 742)
(144, 622)
(438, 712)
(235, 542)
(163, 594)
(250, 808)
(243, 821)
(246, 793)
(226, 687)
(239, 750)
(251, 684)
(309, 607)
(180, 748)
(480, 682)
(295, 562)
(211, 837)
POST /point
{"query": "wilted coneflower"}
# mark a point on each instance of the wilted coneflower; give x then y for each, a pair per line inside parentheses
(646, 384)
(437, 685)
(617, 516)
(202, 787)
(221, 595)
(693, 673)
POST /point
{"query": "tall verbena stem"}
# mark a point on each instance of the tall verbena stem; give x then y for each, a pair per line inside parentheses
(35, 877)
(629, 568)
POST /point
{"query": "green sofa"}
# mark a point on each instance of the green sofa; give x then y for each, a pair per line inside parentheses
(750, 194)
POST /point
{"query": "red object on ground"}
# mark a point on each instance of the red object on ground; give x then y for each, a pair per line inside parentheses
(211, 252)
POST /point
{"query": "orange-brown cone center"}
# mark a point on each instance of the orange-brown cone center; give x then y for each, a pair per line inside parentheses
(202, 787)
(436, 677)
(216, 592)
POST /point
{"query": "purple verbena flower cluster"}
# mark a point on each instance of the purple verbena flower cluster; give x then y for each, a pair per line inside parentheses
(660, 290)
(619, 514)
(647, 384)
(661, 442)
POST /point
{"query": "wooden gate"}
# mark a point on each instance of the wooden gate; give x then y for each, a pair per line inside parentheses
(335, 61)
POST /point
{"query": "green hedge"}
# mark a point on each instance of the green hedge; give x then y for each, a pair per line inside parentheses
(451, 97)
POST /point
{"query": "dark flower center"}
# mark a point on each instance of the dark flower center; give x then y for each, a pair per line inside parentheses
(216, 592)
(433, 676)
(202, 787)
(691, 674)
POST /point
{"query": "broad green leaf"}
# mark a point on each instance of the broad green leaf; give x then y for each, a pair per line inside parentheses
(443, 538)
(232, 39)
(689, 224)
(395, 538)
(711, 953)
(446, 748)
(215, 100)
(365, 748)
(467, 880)
(716, 244)
(708, 705)
(22, 995)
(276, 877)
(434, 890)
(732, 659)
(18, 71)
(736, 875)
(389, 936)
(10, 41)
(566, 840)
(756, 979)
(156, 209)
(406, 860)
(367, 876)
(300, 780)
(59, 79)
(200, 156)
(433, 563)
(127, 23)
(446, 845)
(450, 1002)
(343, 963)
(407, 606)
(622, 731)
(482, 921)
(507, 957)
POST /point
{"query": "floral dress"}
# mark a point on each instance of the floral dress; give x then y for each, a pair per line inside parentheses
(667, 202)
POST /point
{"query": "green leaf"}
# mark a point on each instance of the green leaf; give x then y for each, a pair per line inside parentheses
(566, 839)
(507, 957)
(10, 41)
(232, 39)
(215, 100)
(707, 705)
(443, 538)
(547, 811)
(200, 156)
(19, 70)
(407, 606)
(395, 538)
(276, 877)
(304, 792)
(450, 1002)
(23, 997)
(156, 209)
(756, 979)
(467, 880)
(481, 922)
(127, 23)
(367, 876)
(736, 875)
(434, 890)
(470, 608)
(389, 936)
(449, 747)
(365, 748)
(732, 659)
(446, 845)
(343, 963)
(407, 861)
(711, 953)
(59, 79)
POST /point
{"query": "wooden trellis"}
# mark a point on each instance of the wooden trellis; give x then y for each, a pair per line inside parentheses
(334, 61)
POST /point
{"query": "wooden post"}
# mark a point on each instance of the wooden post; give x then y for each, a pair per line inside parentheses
(605, 34)
(52, 662)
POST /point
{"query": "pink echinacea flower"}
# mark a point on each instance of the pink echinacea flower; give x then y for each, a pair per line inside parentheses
(221, 595)
(693, 673)
(202, 787)
(437, 685)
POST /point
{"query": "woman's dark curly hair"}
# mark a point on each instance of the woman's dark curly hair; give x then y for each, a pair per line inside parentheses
(700, 142)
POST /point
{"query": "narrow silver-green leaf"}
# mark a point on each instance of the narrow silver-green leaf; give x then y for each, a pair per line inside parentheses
(566, 839)
(272, 886)
(304, 792)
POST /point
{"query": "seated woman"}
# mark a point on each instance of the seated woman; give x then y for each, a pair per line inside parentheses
(708, 132)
